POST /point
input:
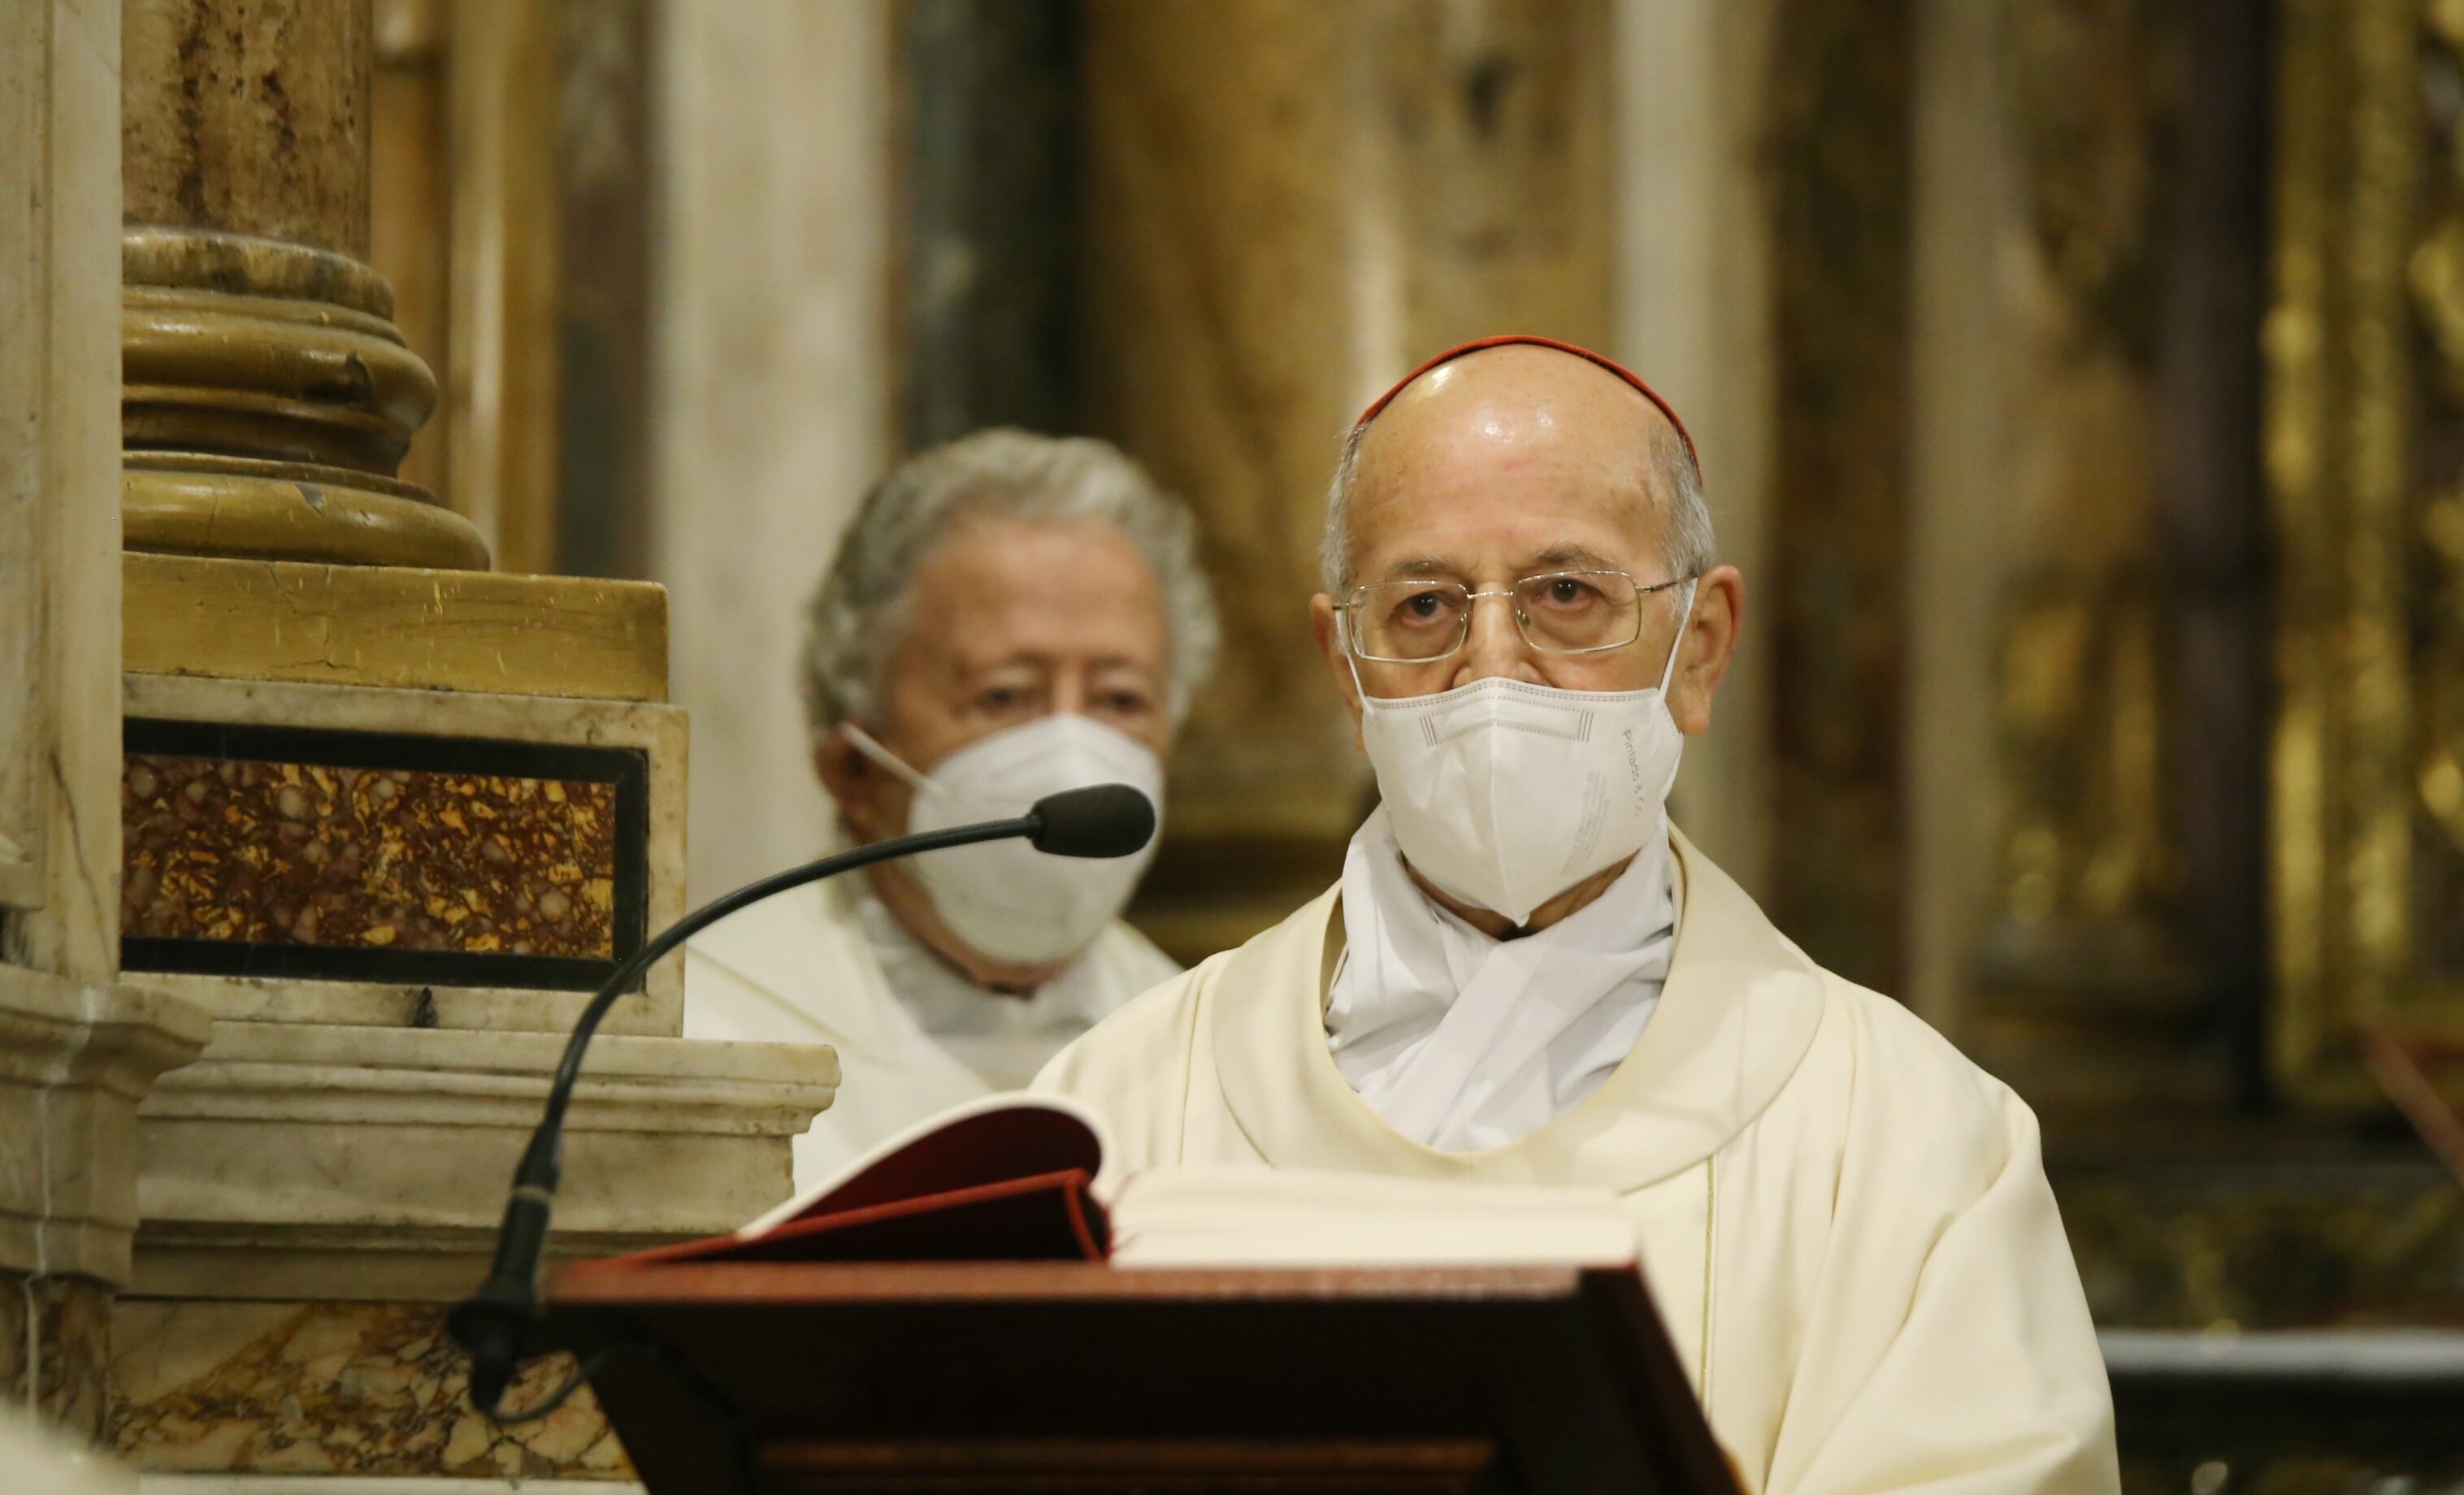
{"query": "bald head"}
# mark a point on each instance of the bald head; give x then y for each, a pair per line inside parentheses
(1521, 416)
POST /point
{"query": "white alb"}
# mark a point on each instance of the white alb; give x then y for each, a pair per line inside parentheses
(1462, 1042)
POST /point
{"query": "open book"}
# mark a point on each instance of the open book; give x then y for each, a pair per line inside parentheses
(1014, 1177)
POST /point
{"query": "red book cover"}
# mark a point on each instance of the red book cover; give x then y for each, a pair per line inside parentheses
(1009, 1179)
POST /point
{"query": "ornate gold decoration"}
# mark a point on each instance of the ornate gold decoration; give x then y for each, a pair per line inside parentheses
(2363, 474)
(2084, 837)
(2090, 990)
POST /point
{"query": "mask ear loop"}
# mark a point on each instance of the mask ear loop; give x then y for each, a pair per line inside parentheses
(1669, 670)
(864, 744)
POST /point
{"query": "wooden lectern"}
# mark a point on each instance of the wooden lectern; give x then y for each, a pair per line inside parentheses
(1001, 1376)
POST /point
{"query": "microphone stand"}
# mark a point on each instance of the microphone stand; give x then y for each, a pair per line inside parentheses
(502, 1324)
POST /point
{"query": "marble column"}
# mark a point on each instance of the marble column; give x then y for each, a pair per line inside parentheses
(1285, 204)
(78, 1049)
(269, 398)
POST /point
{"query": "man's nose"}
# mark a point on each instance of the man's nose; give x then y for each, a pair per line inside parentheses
(1495, 646)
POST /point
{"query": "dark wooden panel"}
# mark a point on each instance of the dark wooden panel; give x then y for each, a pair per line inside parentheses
(1235, 1380)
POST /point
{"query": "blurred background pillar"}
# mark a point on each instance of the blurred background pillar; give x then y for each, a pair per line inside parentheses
(1284, 206)
(2089, 673)
(1694, 266)
(1836, 145)
(769, 411)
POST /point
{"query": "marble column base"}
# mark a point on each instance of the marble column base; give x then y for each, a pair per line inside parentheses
(314, 1195)
(54, 1332)
(385, 837)
(312, 1161)
(75, 1061)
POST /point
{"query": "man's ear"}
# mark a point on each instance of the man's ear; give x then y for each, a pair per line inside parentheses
(1329, 643)
(1708, 647)
(849, 778)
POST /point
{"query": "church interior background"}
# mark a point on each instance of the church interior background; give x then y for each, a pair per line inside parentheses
(2079, 384)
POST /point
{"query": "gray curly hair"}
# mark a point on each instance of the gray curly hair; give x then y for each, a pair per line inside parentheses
(853, 621)
(1686, 544)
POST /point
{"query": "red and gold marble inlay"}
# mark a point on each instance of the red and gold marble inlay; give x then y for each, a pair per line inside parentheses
(367, 858)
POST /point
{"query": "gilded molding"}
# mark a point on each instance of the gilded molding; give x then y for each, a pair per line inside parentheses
(2369, 272)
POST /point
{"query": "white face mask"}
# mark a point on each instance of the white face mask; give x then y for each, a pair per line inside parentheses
(1005, 899)
(1504, 794)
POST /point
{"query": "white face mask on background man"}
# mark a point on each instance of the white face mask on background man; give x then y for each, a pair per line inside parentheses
(1005, 899)
(1503, 794)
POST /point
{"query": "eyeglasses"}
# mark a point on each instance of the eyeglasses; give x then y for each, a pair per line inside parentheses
(1560, 612)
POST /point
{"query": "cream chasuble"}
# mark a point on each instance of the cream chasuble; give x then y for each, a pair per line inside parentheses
(1845, 1224)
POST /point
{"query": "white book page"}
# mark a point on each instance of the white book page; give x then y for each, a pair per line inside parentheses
(1256, 1217)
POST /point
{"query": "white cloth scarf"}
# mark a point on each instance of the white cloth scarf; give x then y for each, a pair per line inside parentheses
(1002, 1038)
(1464, 1043)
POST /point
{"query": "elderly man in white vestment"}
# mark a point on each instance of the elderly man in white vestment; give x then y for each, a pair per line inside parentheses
(1526, 974)
(1008, 615)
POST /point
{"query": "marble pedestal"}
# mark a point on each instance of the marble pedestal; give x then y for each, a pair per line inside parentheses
(393, 900)
(314, 1195)
(75, 1059)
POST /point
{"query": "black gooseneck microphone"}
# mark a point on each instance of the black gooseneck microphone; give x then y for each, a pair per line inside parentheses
(501, 1324)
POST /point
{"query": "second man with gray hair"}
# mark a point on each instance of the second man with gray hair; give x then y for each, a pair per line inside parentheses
(1008, 615)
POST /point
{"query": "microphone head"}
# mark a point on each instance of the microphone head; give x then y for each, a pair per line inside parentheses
(1100, 819)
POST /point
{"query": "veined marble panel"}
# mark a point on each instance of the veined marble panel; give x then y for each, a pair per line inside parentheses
(656, 731)
(245, 852)
(293, 1389)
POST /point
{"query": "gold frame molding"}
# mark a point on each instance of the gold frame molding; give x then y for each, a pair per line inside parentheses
(2354, 281)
